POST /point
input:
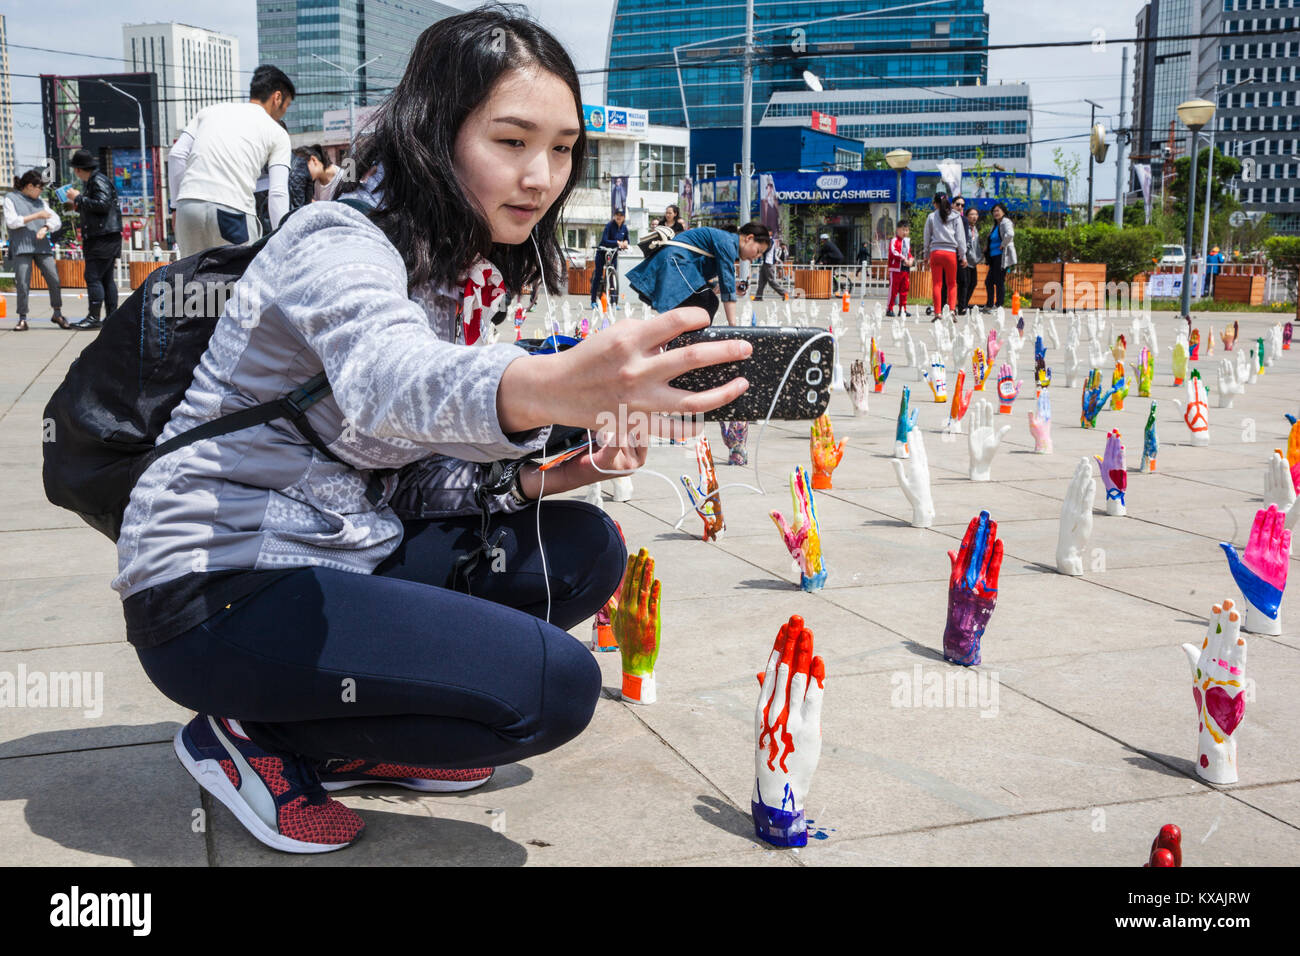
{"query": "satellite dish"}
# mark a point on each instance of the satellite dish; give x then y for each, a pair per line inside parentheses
(1097, 144)
(811, 79)
(1237, 219)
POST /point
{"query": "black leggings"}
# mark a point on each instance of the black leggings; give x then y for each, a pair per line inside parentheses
(393, 666)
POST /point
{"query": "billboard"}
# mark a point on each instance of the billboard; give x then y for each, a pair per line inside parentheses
(825, 122)
(128, 178)
(615, 119)
(108, 118)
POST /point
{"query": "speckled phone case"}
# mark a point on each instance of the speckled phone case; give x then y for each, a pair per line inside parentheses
(807, 390)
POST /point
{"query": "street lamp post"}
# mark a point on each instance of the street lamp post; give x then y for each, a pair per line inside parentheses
(897, 160)
(144, 166)
(1194, 115)
(1209, 175)
(352, 91)
(1092, 124)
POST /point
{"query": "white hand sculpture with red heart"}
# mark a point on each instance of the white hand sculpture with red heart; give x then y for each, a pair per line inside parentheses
(1219, 680)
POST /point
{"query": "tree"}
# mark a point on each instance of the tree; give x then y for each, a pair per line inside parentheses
(874, 159)
(1226, 168)
(1284, 251)
(1067, 166)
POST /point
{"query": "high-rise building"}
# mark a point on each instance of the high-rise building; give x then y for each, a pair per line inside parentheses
(858, 44)
(8, 161)
(348, 33)
(1258, 120)
(195, 68)
(1166, 74)
(966, 123)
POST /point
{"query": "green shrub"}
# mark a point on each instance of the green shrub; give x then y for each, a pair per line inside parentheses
(1125, 252)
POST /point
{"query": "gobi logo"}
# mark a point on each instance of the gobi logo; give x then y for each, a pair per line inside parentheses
(832, 182)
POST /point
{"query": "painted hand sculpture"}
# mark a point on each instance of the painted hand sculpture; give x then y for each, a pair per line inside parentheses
(979, 369)
(1040, 424)
(1197, 411)
(879, 370)
(1096, 354)
(1293, 453)
(1279, 488)
(1261, 572)
(972, 590)
(1218, 684)
(960, 402)
(1286, 337)
(1042, 374)
(1114, 474)
(1150, 444)
(636, 628)
(1040, 350)
(1243, 366)
(788, 733)
(1076, 521)
(1229, 386)
(1073, 363)
(1007, 389)
(1166, 848)
(858, 390)
(803, 540)
(826, 454)
(704, 492)
(1180, 359)
(914, 479)
(983, 440)
(936, 376)
(1119, 387)
(994, 346)
(1194, 345)
(1229, 336)
(602, 629)
(906, 422)
(1093, 400)
(1144, 371)
(1209, 342)
(1259, 354)
(1119, 349)
(735, 435)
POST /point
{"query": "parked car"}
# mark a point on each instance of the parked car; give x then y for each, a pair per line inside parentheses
(576, 257)
(1173, 256)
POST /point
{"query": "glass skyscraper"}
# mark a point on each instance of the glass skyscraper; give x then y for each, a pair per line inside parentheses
(939, 44)
(348, 33)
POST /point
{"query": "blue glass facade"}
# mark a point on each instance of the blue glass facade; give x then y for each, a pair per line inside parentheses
(861, 53)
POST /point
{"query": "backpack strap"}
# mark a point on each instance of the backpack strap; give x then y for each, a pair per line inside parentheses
(686, 245)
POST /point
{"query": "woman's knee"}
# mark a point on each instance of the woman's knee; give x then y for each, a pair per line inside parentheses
(573, 683)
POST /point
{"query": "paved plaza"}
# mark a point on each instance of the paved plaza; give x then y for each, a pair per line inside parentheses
(1078, 747)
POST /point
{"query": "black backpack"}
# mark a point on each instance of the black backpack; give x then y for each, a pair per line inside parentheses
(102, 422)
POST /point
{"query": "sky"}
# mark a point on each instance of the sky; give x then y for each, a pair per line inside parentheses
(1060, 79)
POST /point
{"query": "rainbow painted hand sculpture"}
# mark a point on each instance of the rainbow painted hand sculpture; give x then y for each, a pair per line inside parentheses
(788, 733)
(1261, 572)
(1076, 520)
(803, 538)
(1218, 683)
(960, 403)
(858, 390)
(1150, 444)
(879, 370)
(1194, 345)
(1114, 474)
(1118, 387)
(1093, 400)
(1040, 424)
(1119, 349)
(1197, 411)
(972, 590)
(734, 436)
(1286, 337)
(914, 479)
(1007, 389)
(906, 423)
(826, 454)
(979, 370)
(937, 378)
(983, 441)
(1144, 371)
(704, 493)
(636, 628)
(1180, 359)
(1293, 453)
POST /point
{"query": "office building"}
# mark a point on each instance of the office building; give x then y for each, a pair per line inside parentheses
(965, 123)
(1259, 121)
(1166, 74)
(8, 160)
(872, 48)
(298, 35)
(195, 68)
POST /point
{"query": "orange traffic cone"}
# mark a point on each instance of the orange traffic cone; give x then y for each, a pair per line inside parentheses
(1015, 303)
(4, 307)
(844, 302)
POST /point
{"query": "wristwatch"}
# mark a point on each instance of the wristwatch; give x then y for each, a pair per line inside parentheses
(516, 491)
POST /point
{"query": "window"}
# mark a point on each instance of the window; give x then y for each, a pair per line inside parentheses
(591, 167)
(706, 171)
(662, 167)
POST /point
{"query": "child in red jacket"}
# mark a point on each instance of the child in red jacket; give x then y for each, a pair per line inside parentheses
(900, 269)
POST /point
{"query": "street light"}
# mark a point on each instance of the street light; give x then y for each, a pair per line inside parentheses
(1209, 175)
(352, 91)
(1194, 115)
(144, 166)
(897, 160)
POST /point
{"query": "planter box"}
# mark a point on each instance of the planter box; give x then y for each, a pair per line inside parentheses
(72, 274)
(816, 283)
(1241, 288)
(1069, 285)
(580, 279)
(140, 271)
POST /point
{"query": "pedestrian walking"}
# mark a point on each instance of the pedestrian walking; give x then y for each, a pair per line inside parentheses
(968, 271)
(1000, 255)
(681, 273)
(767, 272)
(218, 158)
(944, 245)
(30, 222)
(101, 236)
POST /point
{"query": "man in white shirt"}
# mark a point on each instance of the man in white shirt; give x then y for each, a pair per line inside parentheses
(216, 161)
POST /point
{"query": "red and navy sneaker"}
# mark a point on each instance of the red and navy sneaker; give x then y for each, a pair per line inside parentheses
(277, 797)
(339, 774)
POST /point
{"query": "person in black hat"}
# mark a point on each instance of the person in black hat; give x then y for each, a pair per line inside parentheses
(101, 235)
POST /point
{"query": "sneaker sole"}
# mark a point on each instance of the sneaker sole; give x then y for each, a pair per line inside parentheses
(213, 779)
(410, 783)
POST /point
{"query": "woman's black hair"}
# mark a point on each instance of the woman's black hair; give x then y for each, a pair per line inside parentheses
(944, 205)
(426, 212)
(678, 225)
(757, 230)
(33, 177)
(998, 205)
